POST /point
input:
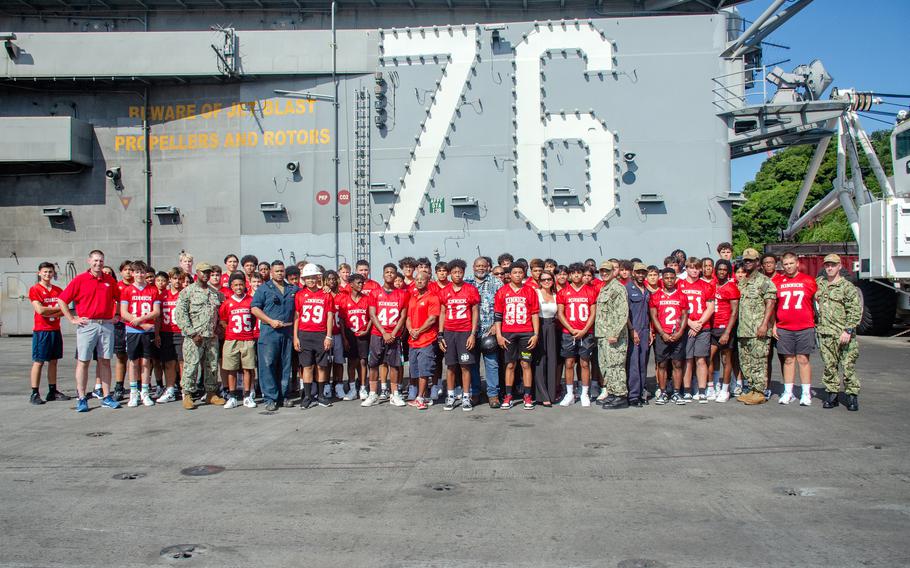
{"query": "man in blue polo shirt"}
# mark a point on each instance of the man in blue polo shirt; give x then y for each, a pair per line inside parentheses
(273, 305)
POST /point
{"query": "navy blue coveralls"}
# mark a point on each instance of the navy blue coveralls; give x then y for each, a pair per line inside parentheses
(275, 346)
(638, 354)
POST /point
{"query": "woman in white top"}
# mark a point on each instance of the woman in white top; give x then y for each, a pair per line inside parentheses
(546, 352)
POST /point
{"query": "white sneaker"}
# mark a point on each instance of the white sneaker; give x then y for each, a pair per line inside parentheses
(434, 393)
(371, 400)
(805, 399)
(383, 394)
(722, 396)
(567, 400)
(585, 401)
(412, 392)
(363, 393)
(134, 399)
(603, 394)
(396, 400)
(351, 395)
(249, 402)
(711, 394)
(339, 391)
(231, 402)
(738, 389)
(657, 392)
(147, 399)
(786, 398)
(170, 395)
(696, 397)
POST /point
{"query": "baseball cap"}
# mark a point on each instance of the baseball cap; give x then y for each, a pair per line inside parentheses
(203, 267)
(606, 265)
(832, 258)
(751, 254)
(639, 266)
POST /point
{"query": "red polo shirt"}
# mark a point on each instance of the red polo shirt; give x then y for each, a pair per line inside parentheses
(95, 298)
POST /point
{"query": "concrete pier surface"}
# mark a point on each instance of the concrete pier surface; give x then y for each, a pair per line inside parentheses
(700, 485)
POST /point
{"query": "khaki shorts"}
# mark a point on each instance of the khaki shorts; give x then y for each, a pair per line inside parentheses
(237, 355)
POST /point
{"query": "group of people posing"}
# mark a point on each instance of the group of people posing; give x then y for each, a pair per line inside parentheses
(581, 332)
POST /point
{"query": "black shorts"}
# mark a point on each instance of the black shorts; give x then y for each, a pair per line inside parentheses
(358, 347)
(675, 350)
(698, 346)
(457, 352)
(120, 338)
(312, 349)
(517, 349)
(382, 353)
(715, 338)
(168, 350)
(577, 348)
(140, 346)
(800, 342)
(47, 346)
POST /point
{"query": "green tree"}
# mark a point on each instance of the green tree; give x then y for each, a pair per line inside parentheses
(770, 196)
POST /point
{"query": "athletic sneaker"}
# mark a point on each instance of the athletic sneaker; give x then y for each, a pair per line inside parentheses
(786, 398)
(98, 393)
(159, 390)
(364, 393)
(434, 392)
(805, 399)
(450, 402)
(529, 402)
(324, 401)
(35, 399)
(412, 392)
(134, 399)
(54, 394)
(384, 394)
(108, 402)
(585, 400)
(738, 389)
(147, 400)
(249, 402)
(339, 392)
(466, 404)
(351, 394)
(661, 398)
(371, 400)
(603, 395)
(170, 395)
(702, 399)
(396, 399)
(687, 397)
(118, 391)
(722, 396)
(306, 402)
(231, 402)
(458, 393)
(711, 394)
(506, 402)
(676, 399)
(418, 403)
(568, 400)
(767, 394)
(657, 393)
(82, 405)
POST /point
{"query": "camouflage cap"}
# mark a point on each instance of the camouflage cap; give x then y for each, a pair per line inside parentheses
(832, 258)
(639, 266)
(751, 254)
(203, 267)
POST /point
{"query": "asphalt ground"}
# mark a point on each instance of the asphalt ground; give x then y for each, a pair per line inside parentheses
(701, 485)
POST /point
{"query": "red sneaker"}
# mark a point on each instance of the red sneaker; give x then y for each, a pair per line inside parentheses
(418, 403)
(529, 402)
(507, 401)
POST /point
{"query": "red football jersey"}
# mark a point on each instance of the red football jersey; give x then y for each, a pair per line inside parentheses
(239, 322)
(369, 286)
(699, 294)
(354, 315)
(436, 287)
(389, 306)
(516, 308)
(140, 301)
(723, 295)
(794, 301)
(579, 305)
(532, 283)
(420, 309)
(596, 283)
(313, 309)
(48, 299)
(458, 306)
(670, 307)
(168, 303)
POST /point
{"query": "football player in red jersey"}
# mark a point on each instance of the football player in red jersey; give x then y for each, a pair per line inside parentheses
(575, 312)
(625, 271)
(517, 326)
(332, 282)
(248, 264)
(314, 320)
(170, 349)
(47, 341)
(388, 313)
(707, 270)
(723, 331)
(122, 364)
(355, 314)
(536, 269)
(457, 329)
(408, 265)
(669, 310)
(369, 285)
(700, 295)
(442, 278)
(160, 282)
(231, 262)
(344, 277)
(140, 306)
(794, 327)
(239, 351)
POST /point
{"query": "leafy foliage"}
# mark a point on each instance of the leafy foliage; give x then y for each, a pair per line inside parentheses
(771, 194)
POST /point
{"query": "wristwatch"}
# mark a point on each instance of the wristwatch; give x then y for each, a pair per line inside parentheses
(851, 331)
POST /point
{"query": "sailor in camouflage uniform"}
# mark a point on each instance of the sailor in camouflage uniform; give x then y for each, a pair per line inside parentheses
(756, 307)
(611, 330)
(839, 312)
(196, 314)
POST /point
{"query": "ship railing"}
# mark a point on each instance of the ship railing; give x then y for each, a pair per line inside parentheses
(740, 88)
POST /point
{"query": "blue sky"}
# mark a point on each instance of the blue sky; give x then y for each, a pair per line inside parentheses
(862, 44)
